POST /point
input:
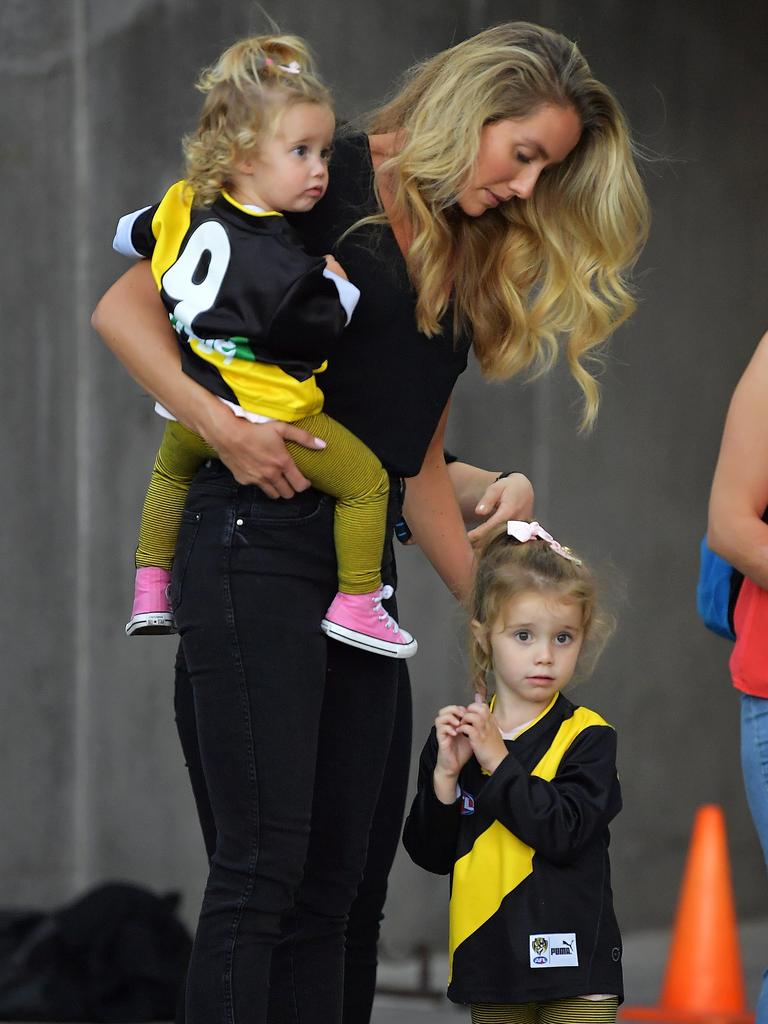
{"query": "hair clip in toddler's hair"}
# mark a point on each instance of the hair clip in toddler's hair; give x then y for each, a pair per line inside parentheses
(294, 68)
(524, 532)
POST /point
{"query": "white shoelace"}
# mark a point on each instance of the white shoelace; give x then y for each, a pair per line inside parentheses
(381, 613)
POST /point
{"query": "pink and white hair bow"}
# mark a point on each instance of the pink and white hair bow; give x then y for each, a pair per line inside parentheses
(524, 532)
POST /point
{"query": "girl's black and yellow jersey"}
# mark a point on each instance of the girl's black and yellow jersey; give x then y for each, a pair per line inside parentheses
(531, 912)
(256, 316)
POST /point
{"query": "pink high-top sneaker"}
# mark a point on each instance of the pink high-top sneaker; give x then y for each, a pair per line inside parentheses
(151, 612)
(359, 620)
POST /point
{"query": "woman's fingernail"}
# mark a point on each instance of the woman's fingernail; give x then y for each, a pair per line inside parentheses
(481, 508)
(319, 442)
(478, 698)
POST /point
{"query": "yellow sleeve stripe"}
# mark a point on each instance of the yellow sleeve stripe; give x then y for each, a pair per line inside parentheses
(498, 861)
(169, 226)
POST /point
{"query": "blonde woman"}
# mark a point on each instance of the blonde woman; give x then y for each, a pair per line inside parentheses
(494, 203)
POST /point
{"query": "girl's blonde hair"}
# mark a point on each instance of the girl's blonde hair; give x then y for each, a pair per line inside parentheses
(507, 568)
(531, 270)
(246, 92)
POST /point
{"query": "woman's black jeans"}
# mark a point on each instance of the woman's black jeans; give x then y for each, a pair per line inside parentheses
(366, 913)
(287, 745)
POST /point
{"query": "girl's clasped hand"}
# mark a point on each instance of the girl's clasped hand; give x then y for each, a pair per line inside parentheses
(464, 731)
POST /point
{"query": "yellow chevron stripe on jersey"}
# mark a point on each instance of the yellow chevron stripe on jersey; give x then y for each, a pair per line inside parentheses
(498, 861)
(169, 226)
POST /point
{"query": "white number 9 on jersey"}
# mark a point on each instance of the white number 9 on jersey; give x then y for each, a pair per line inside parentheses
(183, 281)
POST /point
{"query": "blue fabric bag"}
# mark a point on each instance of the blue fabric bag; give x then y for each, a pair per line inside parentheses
(716, 592)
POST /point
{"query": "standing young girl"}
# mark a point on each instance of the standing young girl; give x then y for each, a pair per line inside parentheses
(256, 316)
(515, 797)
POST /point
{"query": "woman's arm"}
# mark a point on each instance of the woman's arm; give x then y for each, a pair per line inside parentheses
(481, 495)
(740, 487)
(134, 325)
(435, 520)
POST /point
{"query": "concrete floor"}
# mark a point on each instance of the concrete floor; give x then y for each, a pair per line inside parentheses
(645, 955)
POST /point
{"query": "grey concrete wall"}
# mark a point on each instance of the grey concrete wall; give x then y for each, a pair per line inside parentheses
(95, 98)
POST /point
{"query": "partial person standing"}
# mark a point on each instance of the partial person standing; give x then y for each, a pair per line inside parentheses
(512, 233)
(738, 533)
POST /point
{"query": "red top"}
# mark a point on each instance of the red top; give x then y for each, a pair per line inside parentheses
(749, 660)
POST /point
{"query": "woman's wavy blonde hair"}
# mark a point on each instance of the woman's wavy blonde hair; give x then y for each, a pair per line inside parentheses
(531, 271)
(505, 570)
(246, 92)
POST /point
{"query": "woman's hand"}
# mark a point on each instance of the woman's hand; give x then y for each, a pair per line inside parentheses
(453, 752)
(508, 498)
(133, 323)
(255, 453)
(483, 735)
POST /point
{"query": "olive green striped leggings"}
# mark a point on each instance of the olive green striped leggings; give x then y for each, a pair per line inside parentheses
(559, 1011)
(346, 469)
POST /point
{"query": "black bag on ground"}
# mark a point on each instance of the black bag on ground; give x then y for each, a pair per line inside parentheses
(118, 953)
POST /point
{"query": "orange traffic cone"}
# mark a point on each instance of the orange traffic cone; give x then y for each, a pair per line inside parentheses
(703, 981)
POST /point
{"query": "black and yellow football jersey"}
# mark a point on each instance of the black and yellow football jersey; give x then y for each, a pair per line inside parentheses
(255, 315)
(531, 910)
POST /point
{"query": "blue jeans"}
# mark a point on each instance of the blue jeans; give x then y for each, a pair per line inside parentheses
(286, 735)
(754, 762)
